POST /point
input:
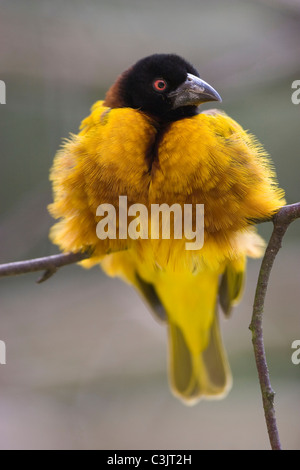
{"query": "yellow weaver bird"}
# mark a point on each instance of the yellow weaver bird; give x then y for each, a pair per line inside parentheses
(148, 141)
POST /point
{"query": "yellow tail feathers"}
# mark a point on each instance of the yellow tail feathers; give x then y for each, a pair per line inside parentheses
(195, 376)
(188, 303)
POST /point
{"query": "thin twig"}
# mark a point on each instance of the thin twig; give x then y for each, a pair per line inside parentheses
(49, 264)
(281, 221)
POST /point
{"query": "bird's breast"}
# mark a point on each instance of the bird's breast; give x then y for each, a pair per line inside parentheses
(207, 159)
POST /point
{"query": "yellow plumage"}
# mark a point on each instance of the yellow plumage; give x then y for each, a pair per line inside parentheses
(205, 159)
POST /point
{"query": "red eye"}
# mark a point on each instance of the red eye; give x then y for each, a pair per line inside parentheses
(159, 84)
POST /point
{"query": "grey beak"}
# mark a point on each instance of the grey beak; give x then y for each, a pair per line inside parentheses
(193, 92)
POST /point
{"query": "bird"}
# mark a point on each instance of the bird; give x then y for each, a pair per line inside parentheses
(149, 141)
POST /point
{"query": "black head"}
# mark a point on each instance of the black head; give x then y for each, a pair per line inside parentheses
(164, 85)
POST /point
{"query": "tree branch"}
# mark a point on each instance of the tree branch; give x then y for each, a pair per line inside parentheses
(49, 264)
(281, 221)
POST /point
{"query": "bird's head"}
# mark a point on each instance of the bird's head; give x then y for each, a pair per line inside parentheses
(164, 85)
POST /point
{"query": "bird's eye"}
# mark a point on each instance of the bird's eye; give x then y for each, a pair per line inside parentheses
(160, 84)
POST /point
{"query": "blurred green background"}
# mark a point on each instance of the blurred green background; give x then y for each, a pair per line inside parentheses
(86, 362)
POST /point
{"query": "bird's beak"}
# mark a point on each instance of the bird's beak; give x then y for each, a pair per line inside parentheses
(193, 92)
